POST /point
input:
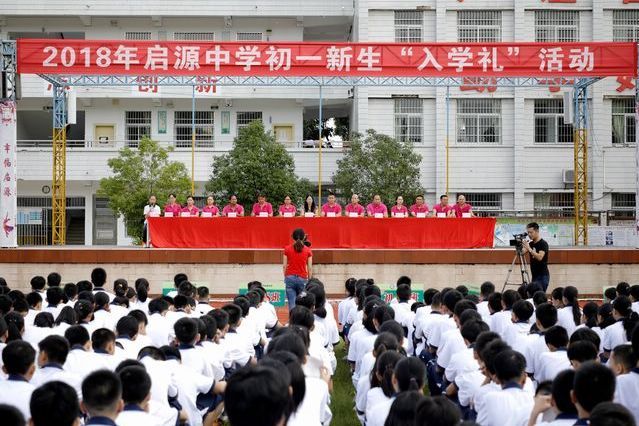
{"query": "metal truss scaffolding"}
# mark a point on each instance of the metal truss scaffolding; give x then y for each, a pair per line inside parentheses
(580, 100)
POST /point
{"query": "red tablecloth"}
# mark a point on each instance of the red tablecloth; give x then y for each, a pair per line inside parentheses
(340, 232)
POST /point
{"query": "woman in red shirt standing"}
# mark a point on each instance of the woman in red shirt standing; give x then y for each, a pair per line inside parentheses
(297, 266)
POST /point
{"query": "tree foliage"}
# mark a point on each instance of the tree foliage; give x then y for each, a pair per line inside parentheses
(257, 163)
(138, 174)
(379, 164)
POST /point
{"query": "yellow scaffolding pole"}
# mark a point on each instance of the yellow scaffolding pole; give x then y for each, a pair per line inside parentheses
(59, 197)
(581, 166)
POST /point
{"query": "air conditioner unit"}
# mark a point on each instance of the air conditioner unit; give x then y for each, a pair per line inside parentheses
(568, 177)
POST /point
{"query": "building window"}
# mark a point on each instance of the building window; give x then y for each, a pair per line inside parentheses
(245, 117)
(478, 121)
(408, 120)
(553, 201)
(137, 124)
(483, 201)
(625, 25)
(194, 36)
(204, 129)
(137, 35)
(623, 121)
(623, 201)
(475, 26)
(556, 25)
(249, 36)
(549, 122)
(409, 25)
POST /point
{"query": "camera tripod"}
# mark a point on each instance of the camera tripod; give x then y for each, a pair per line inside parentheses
(525, 278)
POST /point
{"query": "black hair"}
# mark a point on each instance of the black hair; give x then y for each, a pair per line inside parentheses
(508, 299)
(403, 292)
(385, 341)
(70, 291)
(101, 337)
(202, 292)
(532, 288)
(590, 313)
(610, 293)
(221, 317)
(243, 303)
(33, 299)
(523, 310)
(533, 225)
(494, 302)
(142, 287)
(611, 414)
(170, 352)
(152, 352)
(437, 411)
(210, 326)
(178, 278)
(605, 312)
(546, 315)
(98, 277)
(136, 384)
(43, 320)
(292, 364)
(121, 301)
(56, 348)
(84, 285)
(570, 294)
(410, 374)
(187, 289)
(15, 325)
(393, 327)
(55, 295)
(301, 315)
(539, 298)
(594, 383)
(382, 373)
(471, 329)
(298, 236)
(101, 392)
(127, 326)
(509, 365)
(557, 294)
(140, 316)
(180, 301)
(582, 351)
(490, 352)
(83, 309)
(402, 410)
(235, 314)
(584, 333)
(18, 357)
(383, 313)
(186, 330)
(451, 298)
(428, 296)
(306, 300)
(21, 306)
(562, 385)
(312, 208)
(38, 282)
(5, 304)
(158, 305)
(77, 335)
(54, 404)
(88, 296)
(462, 289)
(557, 336)
(634, 293)
(487, 288)
(15, 295)
(623, 306)
(54, 279)
(289, 341)
(257, 395)
(623, 289)
(415, 306)
(522, 290)
(625, 356)
(316, 288)
(101, 300)
(462, 306)
(349, 285)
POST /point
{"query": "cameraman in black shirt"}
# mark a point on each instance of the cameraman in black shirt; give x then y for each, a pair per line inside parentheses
(538, 250)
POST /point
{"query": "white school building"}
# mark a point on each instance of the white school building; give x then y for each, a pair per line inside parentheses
(509, 149)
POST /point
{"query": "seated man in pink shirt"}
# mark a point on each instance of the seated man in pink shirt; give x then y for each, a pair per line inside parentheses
(172, 207)
(377, 208)
(443, 209)
(331, 208)
(262, 208)
(210, 207)
(462, 208)
(232, 209)
(287, 209)
(190, 207)
(420, 208)
(354, 208)
(399, 209)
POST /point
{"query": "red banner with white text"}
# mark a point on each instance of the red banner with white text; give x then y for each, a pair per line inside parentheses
(300, 59)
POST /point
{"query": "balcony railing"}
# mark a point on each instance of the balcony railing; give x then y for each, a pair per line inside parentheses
(178, 145)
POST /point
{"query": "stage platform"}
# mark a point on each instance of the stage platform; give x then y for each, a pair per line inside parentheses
(224, 271)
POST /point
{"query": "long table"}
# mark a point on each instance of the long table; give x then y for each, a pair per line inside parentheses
(338, 233)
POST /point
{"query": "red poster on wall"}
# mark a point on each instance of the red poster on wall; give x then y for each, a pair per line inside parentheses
(113, 57)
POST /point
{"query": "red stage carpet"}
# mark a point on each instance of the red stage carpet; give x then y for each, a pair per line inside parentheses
(324, 233)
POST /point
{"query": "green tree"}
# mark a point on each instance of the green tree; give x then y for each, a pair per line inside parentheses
(257, 163)
(379, 164)
(138, 174)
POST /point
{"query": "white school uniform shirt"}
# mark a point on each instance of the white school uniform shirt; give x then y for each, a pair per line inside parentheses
(269, 314)
(16, 391)
(60, 329)
(344, 307)
(214, 354)
(362, 387)
(30, 317)
(560, 420)
(635, 306)
(467, 386)
(52, 372)
(564, 319)
(551, 364)
(148, 210)
(502, 407)
(499, 321)
(203, 308)
(439, 328)
(330, 324)
(111, 295)
(375, 397)
(81, 362)
(379, 413)
(462, 361)
(514, 331)
(54, 310)
(162, 387)
(103, 319)
(239, 350)
(365, 343)
(194, 358)
(135, 416)
(482, 309)
(318, 353)
(172, 317)
(130, 348)
(34, 335)
(627, 392)
(366, 365)
(249, 328)
(536, 345)
(451, 343)
(614, 335)
(190, 384)
(158, 330)
(315, 407)
(117, 312)
(402, 313)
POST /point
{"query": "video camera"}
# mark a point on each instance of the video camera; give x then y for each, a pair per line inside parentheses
(519, 239)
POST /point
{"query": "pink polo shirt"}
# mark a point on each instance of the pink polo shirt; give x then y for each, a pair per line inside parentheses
(357, 208)
(193, 212)
(175, 209)
(238, 209)
(262, 208)
(399, 209)
(335, 208)
(211, 209)
(460, 210)
(372, 209)
(287, 209)
(442, 209)
(423, 208)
